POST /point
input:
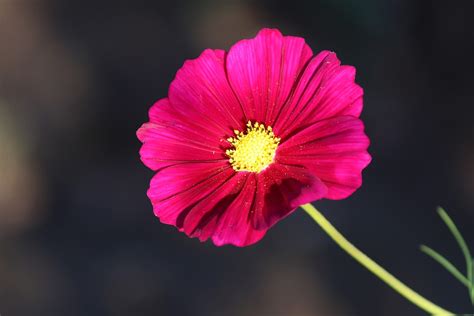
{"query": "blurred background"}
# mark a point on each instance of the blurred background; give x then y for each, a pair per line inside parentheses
(77, 232)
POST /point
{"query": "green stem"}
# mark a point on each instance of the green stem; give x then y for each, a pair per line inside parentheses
(465, 250)
(372, 266)
(446, 264)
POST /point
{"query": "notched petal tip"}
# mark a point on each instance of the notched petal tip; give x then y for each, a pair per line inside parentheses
(268, 31)
(143, 131)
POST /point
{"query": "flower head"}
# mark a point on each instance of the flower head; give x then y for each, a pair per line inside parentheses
(246, 136)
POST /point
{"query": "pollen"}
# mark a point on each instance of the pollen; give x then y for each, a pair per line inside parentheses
(254, 149)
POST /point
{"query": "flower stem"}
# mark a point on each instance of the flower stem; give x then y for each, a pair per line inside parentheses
(372, 266)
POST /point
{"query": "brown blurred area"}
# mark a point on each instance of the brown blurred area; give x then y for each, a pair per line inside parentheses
(77, 233)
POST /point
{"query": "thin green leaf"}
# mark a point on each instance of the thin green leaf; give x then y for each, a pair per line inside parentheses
(462, 244)
(446, 264)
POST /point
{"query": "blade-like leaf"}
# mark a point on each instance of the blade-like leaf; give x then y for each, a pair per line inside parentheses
(462, 244)
(446, 264)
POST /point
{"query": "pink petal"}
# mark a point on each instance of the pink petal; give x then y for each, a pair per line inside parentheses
(263, 70)
(168, 145)
(335, 150)
(176, 189)
(202, 218)
(162, 113)
(325, 89)
(234, 226)
(201, 93)
(280, 190)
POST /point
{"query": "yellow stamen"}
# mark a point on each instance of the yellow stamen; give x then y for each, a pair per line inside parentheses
(253, 150)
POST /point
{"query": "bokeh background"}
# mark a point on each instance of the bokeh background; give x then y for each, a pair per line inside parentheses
(77, 233)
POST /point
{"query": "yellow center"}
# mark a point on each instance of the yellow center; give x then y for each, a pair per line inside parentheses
(253, 150)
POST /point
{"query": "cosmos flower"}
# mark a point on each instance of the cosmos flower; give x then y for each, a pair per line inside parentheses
(247, 136)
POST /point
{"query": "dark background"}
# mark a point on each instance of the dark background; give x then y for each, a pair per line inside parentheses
(77, 233)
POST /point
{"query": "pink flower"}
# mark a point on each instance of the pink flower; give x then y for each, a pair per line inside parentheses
(246, 136)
